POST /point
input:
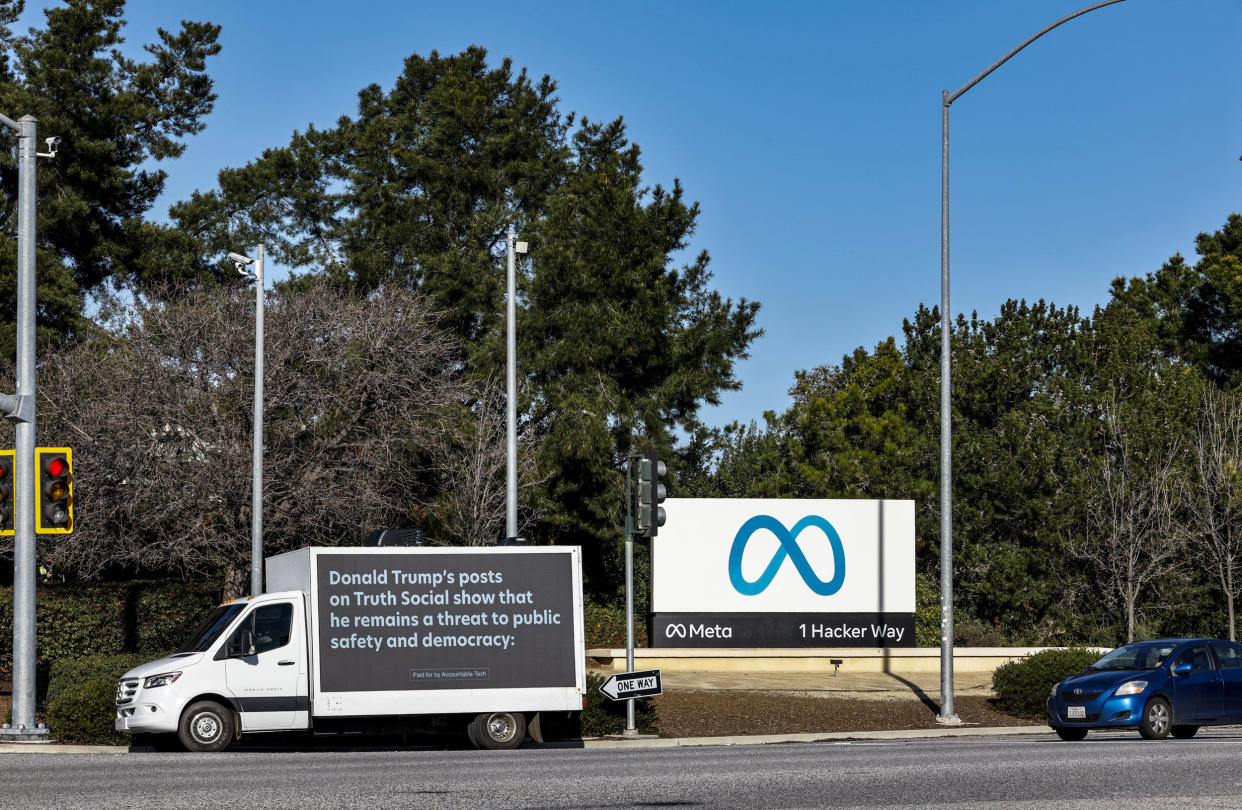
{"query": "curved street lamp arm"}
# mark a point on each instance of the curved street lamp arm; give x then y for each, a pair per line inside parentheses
(949, 98)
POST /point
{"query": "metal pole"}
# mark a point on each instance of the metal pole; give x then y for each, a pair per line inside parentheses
(630, 730)
(511, 393)
(946, 716)
(256, 501)
(24, 551)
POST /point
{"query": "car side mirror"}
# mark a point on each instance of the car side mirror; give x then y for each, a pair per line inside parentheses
(1184, 668)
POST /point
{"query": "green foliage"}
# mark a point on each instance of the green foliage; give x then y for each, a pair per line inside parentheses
(116, 116)
(1022, 686)
(619, 346)
(74, 620)
(1196, 309)
(603, 716)
(926, 612)
(81, 697)
(605, 626)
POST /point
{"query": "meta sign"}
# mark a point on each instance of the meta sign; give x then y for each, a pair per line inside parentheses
(783, 573)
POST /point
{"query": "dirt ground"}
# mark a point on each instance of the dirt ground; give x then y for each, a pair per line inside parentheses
(712, 713)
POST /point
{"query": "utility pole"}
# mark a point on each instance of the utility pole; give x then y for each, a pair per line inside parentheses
(20, 409)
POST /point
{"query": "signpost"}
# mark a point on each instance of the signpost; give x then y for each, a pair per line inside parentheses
(629, 685)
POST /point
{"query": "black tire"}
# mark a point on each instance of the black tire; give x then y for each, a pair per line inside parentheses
(206, 727)
(1185, 732)
(498, 731)
(1071, 734)
(1157, 719)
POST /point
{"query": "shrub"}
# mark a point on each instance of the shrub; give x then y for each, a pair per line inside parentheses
(603, 716)
(79, 619)
(81, 697)
(1022, 686)
(926, 612)
(605, 627)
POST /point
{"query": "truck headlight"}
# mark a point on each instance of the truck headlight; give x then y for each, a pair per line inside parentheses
(1131, 688)
(163, 679)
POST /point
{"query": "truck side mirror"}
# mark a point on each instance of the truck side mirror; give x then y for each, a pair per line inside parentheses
(241, 645)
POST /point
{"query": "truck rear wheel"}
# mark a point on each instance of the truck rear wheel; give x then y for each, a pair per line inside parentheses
(206, 727)
(498, 730)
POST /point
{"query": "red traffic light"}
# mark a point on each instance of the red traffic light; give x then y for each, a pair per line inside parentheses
(57, 467)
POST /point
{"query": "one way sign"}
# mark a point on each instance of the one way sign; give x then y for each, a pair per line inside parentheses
(626, 685)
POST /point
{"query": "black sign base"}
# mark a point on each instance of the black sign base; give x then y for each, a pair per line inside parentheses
(782, 630)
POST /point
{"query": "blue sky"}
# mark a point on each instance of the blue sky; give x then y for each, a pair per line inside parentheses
(810, 134)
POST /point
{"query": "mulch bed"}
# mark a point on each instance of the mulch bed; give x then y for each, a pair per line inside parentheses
(717, 713)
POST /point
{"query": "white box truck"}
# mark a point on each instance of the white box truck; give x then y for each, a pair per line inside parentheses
(489, 640)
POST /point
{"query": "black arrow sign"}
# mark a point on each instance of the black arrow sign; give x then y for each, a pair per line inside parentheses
(626, 685)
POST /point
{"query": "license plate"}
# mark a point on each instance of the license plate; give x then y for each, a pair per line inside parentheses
(1076, 712)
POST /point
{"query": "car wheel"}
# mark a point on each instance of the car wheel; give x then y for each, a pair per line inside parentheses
(498, 730)
(1071, 734)
(1185, 732)
(1157, 720)
(206, 727)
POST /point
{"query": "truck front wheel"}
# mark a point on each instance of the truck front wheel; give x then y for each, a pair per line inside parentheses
(206, 727)
(498, 730)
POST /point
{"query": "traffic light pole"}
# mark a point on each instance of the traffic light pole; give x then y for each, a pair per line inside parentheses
(23, 727)
(630, 729)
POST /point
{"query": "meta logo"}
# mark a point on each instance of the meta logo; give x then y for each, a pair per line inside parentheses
(789, 548)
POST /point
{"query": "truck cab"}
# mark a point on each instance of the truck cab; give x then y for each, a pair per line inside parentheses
(244, 669)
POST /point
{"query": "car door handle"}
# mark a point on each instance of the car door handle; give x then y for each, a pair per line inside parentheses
(285, 663)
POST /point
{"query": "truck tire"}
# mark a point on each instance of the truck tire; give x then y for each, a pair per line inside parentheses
(206, 727)
(498, 731)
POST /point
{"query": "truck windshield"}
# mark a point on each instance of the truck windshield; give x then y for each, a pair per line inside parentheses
(211, 628)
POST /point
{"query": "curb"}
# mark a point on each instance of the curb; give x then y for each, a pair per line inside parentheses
(649, 742)
(834, 736)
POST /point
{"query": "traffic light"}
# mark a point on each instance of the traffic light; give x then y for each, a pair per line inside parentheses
(53, 490)
(648, 514)
(6, 491)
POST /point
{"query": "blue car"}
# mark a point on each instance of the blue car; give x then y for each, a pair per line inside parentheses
(1168, 686)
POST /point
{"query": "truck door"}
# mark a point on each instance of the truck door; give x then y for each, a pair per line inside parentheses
(268, 679)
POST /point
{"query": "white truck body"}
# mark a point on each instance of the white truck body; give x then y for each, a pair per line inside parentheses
(372, 634)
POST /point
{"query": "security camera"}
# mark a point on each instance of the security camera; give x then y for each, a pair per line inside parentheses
(240, 260)
(53, 143)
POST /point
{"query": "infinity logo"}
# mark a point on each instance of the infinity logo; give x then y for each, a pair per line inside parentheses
(789, 548)
(675, 631)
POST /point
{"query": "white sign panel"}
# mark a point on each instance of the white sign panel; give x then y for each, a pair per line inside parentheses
(750, 572)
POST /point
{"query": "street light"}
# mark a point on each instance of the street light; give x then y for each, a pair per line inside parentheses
(511, 386)
(256, 496)
(946, 716)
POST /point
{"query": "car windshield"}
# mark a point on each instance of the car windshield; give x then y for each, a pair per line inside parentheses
(1144, 656)
(211, 628)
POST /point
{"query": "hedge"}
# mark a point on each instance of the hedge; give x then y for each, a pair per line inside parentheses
(1022, 686)
(81, 697)
(605, 626)
(75, 620)
(604, 716)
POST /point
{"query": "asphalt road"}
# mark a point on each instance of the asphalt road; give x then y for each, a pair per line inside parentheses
(1105, 771)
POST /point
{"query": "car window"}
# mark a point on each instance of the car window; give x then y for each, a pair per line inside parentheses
(1229, 655)
(1197, 657)
(269, 627)
(1135, 656)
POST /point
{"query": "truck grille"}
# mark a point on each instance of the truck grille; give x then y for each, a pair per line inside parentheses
(126, 690)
